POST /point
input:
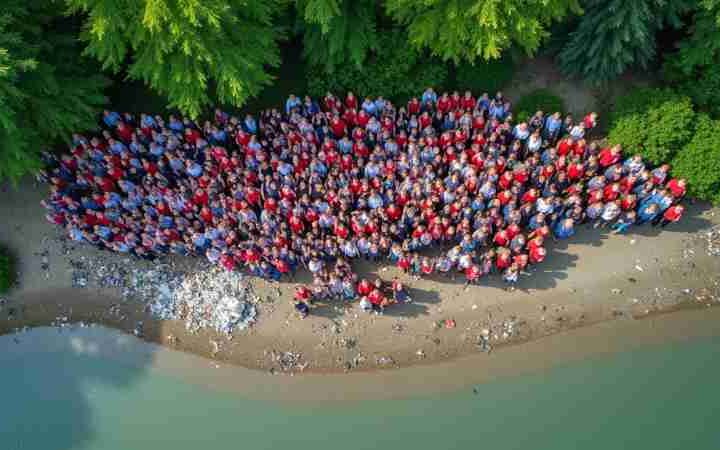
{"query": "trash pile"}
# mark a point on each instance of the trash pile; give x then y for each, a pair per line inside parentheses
(208, 298)
(214, 298)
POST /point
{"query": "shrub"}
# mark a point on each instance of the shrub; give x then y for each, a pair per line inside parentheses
(395, 71)
(7, 270)
(537, 100)
(704, 91)
(640, 100)
(490, 76)
(655, 123)
(699, 161)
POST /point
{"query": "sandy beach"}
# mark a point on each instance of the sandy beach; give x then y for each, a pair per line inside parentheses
(594, 277)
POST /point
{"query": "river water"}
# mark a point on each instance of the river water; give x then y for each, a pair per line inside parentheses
(60, 391)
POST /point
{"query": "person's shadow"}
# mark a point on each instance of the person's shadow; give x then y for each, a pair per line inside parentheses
(538, 277)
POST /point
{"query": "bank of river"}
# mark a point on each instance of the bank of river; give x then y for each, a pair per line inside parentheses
(95, 388)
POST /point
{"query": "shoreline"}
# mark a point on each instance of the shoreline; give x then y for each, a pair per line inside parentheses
(593, 278)
(127, 315)
(543, 354)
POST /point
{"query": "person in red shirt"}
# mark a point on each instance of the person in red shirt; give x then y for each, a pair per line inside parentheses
(338, 127)
(671, 215)
(678, 188)
(565, 146)
(537, 254)
(590, 121)
(413, 106)
(125, 132)
(444, 104)
(609, 156)
(468, 101)
(351, 101)
(364, 287)
(377, 299)
(472, 274)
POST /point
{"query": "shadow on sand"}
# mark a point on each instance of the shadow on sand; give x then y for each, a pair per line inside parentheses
(540, 277)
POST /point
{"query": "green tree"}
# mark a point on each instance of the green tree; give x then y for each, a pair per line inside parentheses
(694, 66)
(614, 35)
(699, 161)
(186, 49)
(471, 29)
(395, 71)
(47, 90)
(337, 32)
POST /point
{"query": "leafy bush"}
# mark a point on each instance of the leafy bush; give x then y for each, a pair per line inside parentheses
(704, 91)
(7, 270)
(489, 76)
(640, 100)
(395, 71)
(699, 161)
(537, 100)
(655, 123)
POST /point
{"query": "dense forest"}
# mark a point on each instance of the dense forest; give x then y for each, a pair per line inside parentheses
(63, 61)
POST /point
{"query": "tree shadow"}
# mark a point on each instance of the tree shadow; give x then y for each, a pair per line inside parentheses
(49, 376)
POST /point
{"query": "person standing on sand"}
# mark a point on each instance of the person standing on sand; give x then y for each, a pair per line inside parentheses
(671, 215)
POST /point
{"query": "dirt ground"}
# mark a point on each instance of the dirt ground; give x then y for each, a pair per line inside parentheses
(592, 277)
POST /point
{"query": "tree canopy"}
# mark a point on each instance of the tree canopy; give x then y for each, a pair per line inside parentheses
(338, 32)
(470, 29)
(614, 35)
(186, 49)
(198, 53)
(47, 90)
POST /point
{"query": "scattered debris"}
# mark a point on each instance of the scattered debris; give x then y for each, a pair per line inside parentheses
(206, 298)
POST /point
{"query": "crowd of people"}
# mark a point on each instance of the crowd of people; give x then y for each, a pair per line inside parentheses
(319, 184)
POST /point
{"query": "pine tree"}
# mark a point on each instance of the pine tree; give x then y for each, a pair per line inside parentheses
(693, 68)
(47, 90)
(337, 32)
(702, 47)
(470, 29)
(614, 35)
(194, 52)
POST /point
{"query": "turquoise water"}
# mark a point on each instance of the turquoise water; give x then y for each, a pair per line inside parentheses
(655, 398)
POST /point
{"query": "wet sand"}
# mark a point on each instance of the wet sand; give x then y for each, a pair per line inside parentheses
(593, 278)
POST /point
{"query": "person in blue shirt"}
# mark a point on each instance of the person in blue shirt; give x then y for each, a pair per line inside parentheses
(553, 124)
(111, 118)
(250, 124)
(429, 96)
(379, 104)
(647, 212)
(176, 125)
(564, 229)
(291, 103)
(193, 169)
(497, 110)
(218, 136)
(147, 121)
(310, 107)
(369, 106)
